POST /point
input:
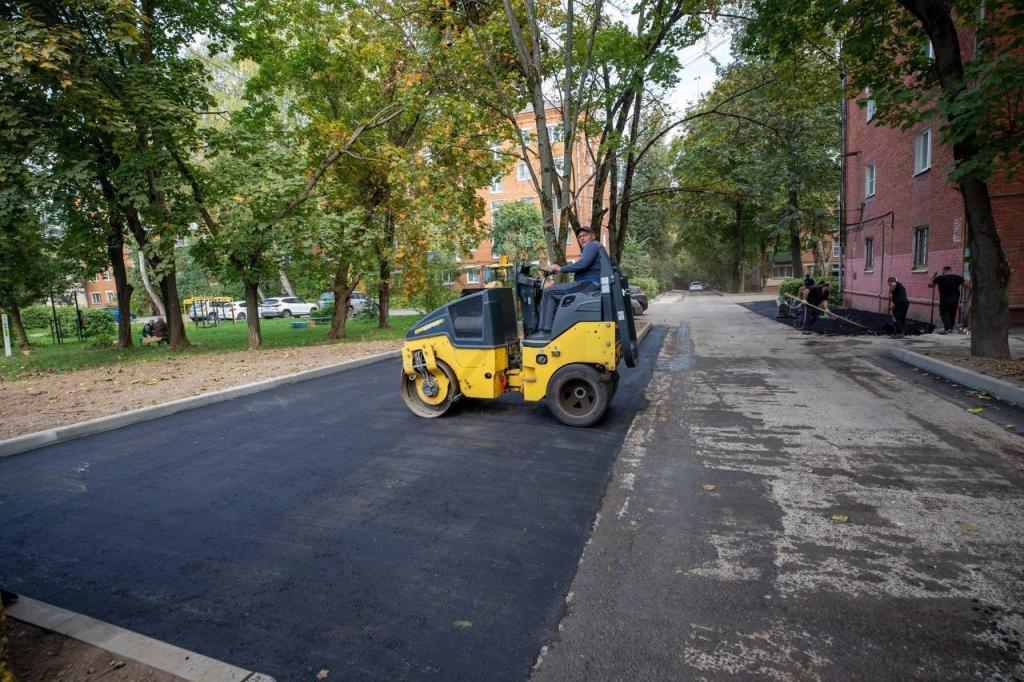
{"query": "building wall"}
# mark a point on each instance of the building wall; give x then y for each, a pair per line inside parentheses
(905, 200)
(513, 189)
(100, 291)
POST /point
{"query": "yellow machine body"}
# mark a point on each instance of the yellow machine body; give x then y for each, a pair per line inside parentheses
(491, 372)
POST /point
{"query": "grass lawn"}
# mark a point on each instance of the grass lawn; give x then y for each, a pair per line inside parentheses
(226, 337)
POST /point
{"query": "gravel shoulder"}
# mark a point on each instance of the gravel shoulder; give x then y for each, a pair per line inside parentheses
(49, 401)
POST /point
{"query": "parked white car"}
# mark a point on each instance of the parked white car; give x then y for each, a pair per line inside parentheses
(286, 307)
(696, 286)
(232, 311)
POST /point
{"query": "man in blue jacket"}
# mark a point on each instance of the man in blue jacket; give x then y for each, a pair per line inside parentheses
(586, 276)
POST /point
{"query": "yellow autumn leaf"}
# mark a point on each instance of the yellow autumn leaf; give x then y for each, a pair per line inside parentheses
(975, 410)
(840, 518)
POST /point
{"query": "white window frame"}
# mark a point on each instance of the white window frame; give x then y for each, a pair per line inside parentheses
(870, 179)
(106, 275)
(522, 171)
(929, 50)
(497, 185)
(96, 297)
(110, 297)
(869, 254)
(919, 257)
(527, 134)
(560, 167)
(473, 276)
(869, 109)
(922, 151)
(556, 131)
(496, 150)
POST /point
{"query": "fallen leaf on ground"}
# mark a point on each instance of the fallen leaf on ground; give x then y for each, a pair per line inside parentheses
(709, 487)
(975, 410)
(322, 675)
(462, 624)
(840, 518)
(969, 527)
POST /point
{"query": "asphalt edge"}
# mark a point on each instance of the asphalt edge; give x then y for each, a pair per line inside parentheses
(125, 644)
(1003, 390)
(59, 434)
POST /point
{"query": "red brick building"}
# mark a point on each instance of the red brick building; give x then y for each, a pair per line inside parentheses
(905, 219)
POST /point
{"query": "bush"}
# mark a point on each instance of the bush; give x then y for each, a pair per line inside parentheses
(648, 284)
(792, 287)
(97, 323)
(102, 341)
(40, 316)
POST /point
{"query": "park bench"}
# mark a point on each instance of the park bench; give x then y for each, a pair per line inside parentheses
(147, 340)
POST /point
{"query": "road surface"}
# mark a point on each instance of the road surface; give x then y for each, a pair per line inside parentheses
(322, 526)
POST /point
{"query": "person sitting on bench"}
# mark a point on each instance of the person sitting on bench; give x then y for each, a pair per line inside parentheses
(155, 332)
(586, 275)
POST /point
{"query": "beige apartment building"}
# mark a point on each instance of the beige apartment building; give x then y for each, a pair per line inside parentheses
(477, 267)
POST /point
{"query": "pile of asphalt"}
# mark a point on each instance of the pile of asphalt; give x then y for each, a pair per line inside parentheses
(875, 323)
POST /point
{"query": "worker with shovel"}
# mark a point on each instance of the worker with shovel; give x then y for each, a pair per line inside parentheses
(817, 299)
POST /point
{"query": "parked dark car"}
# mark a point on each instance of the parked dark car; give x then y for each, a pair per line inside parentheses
(116, 312)
(640, 296)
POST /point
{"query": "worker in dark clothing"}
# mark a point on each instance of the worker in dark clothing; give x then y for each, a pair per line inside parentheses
(586, 275)
(160, 329)
(949, 286)
(899, 304)
(817, 300)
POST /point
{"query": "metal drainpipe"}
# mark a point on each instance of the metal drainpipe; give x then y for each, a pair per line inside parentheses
(842, 182)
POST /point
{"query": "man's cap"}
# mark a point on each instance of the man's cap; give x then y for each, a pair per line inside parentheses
(892, 279)
(585, 228)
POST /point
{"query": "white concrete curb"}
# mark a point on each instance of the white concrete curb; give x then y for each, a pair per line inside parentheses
(126, 644)
(31, 441)
(1003, 390)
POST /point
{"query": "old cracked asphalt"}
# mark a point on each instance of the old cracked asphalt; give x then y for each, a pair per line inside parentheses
(785, 508)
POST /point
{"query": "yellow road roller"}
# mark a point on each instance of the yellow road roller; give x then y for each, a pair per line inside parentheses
(472, 348)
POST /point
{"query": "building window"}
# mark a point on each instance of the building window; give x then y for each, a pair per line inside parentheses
(497, 186)
(473, 276)
(869, 253)
(181, 243)
(920, 248)
(929, 50)
(447, 277)
(560, 167)
(496, 150)
(782, 271)
(869, 180)
(95, 278)
(527, 135)
(110, 297)
(527, 200)
(96, 298)
(522, 171)
(923, 151)
(106, 275)
(555, 133)
(869, 109)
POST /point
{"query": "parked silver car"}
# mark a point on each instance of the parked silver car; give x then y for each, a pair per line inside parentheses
(286, 307)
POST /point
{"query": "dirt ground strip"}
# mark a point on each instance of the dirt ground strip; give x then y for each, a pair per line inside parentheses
(48, 401)
(1011, 370)
(37, 655)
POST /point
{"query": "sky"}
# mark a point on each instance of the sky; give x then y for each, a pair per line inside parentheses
(698, 74)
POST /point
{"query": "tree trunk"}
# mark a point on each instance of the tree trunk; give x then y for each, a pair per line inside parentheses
(172, 303)
(819, 258)
(990, 275)
(384, 295)
(384, 274)
(115, 251)
(622, 226)
(154, 299)
(286, 284)
(252, 316)
(342, 293)
(613, 204)
(741, 246)
(19, 328)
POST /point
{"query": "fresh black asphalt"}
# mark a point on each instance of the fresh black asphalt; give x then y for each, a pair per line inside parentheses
(322, 526)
